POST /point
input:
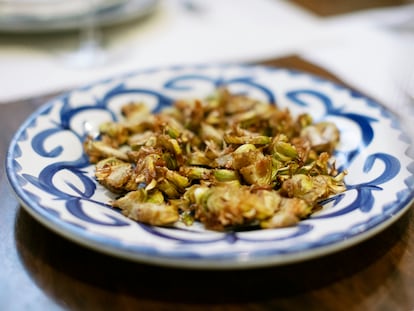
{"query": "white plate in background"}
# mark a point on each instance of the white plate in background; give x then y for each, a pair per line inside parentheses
(31, 16)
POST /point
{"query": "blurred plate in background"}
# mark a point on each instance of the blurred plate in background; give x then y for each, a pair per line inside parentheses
(57, 15)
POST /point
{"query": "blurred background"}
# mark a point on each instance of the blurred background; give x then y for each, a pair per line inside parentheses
(49, 46)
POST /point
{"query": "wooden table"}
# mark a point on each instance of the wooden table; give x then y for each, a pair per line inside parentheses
(42, 271)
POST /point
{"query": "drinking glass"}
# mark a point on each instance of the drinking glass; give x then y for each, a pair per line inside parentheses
(58, 17)
(90, 52)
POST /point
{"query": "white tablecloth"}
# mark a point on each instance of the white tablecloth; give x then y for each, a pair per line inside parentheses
(361, 48)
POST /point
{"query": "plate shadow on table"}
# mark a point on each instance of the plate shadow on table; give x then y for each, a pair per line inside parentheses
(78, 278)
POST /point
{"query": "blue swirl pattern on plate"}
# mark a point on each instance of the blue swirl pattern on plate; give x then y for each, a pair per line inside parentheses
(54, 181)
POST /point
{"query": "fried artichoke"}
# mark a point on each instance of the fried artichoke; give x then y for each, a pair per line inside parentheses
(228, 161)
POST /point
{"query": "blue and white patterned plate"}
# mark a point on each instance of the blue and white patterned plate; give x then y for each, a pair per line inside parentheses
(53, 180)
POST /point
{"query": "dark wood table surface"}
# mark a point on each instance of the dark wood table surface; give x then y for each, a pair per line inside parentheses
(40, 270)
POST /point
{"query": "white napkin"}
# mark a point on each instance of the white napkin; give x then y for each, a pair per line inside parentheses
(373, 51)
(360, 48)
(180, 32)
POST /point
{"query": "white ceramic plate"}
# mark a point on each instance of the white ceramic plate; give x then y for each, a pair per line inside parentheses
(52, 15)
(51, 9)
(51, 176)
